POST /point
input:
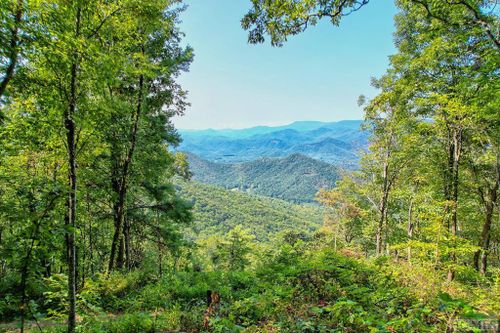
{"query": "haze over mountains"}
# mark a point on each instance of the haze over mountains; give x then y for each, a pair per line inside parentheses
(290, 162)
(338, 143)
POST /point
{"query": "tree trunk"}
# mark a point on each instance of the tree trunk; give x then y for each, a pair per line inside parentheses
(117, 216)
(383, 206)
(411, 227)
(457, 149)
(160, 260)
(121, 254)
(484, 241)
(488, 195)
(70, 219)
(120, 185)
(484, 255)
(91, 249)
(126, 238)
(380, 228)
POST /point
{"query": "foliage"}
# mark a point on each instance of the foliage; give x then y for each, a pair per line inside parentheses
(315, 289)
(88, 82)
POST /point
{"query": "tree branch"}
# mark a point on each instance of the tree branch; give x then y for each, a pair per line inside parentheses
(13, 48)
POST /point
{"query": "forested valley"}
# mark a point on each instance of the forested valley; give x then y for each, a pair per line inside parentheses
(390, 224)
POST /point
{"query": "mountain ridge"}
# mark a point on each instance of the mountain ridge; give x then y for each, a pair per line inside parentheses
(300, 125)
(336, 142)
(295, 178)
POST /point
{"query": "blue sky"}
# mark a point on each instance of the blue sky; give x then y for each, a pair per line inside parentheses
(317, 75)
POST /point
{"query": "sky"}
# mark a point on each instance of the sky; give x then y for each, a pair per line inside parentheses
(317, 75)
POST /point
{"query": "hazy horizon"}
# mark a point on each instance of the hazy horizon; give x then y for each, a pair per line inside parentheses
(265, 125)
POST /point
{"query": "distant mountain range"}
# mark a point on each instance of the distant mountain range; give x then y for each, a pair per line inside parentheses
(295, 178)
(336, 142)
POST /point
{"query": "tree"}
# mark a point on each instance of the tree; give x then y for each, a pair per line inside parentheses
(235, 248)
(483, 165)
(345, 215)
(31, 194)
(88, 90)
(387, 120)
(73, 70)
(446, 83)
(141, 110)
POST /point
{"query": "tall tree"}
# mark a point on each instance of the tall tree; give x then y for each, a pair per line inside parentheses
(388, 122)
(71, 83)
(141, 107)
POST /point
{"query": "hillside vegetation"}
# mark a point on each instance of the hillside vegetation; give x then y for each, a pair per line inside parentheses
(296, 178)
(300, 285)
(217, 211)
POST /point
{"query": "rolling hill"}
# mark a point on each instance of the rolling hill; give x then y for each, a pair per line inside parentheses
(217, 211)
(338, 142)
(296, 178)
